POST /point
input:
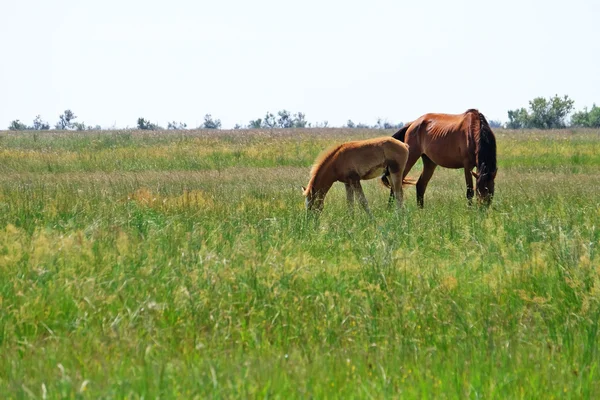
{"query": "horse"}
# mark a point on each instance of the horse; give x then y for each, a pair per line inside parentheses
(452, 141)
(352, 162)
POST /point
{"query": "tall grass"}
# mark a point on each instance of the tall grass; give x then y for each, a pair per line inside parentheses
(183, 266)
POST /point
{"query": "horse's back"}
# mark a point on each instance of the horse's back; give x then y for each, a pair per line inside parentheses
(367, 159)
(444, 138)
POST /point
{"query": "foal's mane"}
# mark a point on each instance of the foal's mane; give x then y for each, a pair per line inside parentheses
(485, 144)
(323, 158)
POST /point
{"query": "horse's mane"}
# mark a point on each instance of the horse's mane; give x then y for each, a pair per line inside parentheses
(321, 160)
(485, 144)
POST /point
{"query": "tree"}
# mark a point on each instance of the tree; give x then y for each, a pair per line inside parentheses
(350, 124)
(285, 119)
(40, 125)
(17, 125)
(494, 123)
(300, 120)
(543, 113)
(79, 126)
(587, 119)
(255, 124)
(389, 125)
(594, 117)
(145, 125)
(269, 121)
(209, 123)
(289, 120)
(65, 120)
(517, 119)
(176, 125)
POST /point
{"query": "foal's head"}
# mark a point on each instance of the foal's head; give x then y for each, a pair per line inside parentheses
(314, 199)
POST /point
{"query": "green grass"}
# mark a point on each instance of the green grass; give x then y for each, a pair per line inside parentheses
(182, 265)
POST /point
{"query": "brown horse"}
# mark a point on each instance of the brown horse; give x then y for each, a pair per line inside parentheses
(452, 141)
(352, 162)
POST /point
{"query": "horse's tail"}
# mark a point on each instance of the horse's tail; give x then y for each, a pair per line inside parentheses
(405, 182)
(401, 133)
(409, 182)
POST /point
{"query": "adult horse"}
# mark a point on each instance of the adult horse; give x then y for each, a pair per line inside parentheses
(452, 141)
(352, 162)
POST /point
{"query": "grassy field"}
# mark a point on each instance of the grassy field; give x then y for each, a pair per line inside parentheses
(181, 265)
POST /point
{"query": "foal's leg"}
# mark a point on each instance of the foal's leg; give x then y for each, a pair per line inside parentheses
(350, 196)
(361, 198)
(469, 181)
(396, 181)
(410, 162)
(392, 196)
(428, 168)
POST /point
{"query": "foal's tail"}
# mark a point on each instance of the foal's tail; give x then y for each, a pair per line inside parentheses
(384, 179)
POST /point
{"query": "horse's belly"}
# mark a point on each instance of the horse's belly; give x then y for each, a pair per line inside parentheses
(446, 162)
(452, 165)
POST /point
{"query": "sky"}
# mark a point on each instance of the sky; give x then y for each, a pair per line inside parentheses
(113, 61)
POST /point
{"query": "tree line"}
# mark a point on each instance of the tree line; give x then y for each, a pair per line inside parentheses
(542, 113)
(552, 114)
(66, 121)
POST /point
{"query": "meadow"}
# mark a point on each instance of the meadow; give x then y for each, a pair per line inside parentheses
(181, 264)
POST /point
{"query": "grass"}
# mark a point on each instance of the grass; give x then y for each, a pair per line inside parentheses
(181, 265)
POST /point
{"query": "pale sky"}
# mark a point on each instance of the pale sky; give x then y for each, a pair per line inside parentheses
(113, 61)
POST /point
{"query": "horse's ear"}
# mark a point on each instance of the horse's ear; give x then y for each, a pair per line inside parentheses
(303, 189)
(475, 174)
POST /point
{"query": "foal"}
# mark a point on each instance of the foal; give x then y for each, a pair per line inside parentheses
(352, 162)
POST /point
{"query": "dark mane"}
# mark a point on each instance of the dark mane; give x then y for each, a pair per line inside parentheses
(485, 147)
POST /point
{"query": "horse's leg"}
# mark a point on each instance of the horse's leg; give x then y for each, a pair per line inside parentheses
(388, 175)
(428, 168)
(361, 198)
(350, 196)
(469, 181)
(413, 156)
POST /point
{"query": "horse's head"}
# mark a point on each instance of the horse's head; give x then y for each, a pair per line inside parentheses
(314, 199)
(485, 186)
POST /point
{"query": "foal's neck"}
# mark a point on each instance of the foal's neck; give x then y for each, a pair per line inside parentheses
(323, 180)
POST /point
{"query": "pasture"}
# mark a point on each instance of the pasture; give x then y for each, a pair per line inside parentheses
(180, 264)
